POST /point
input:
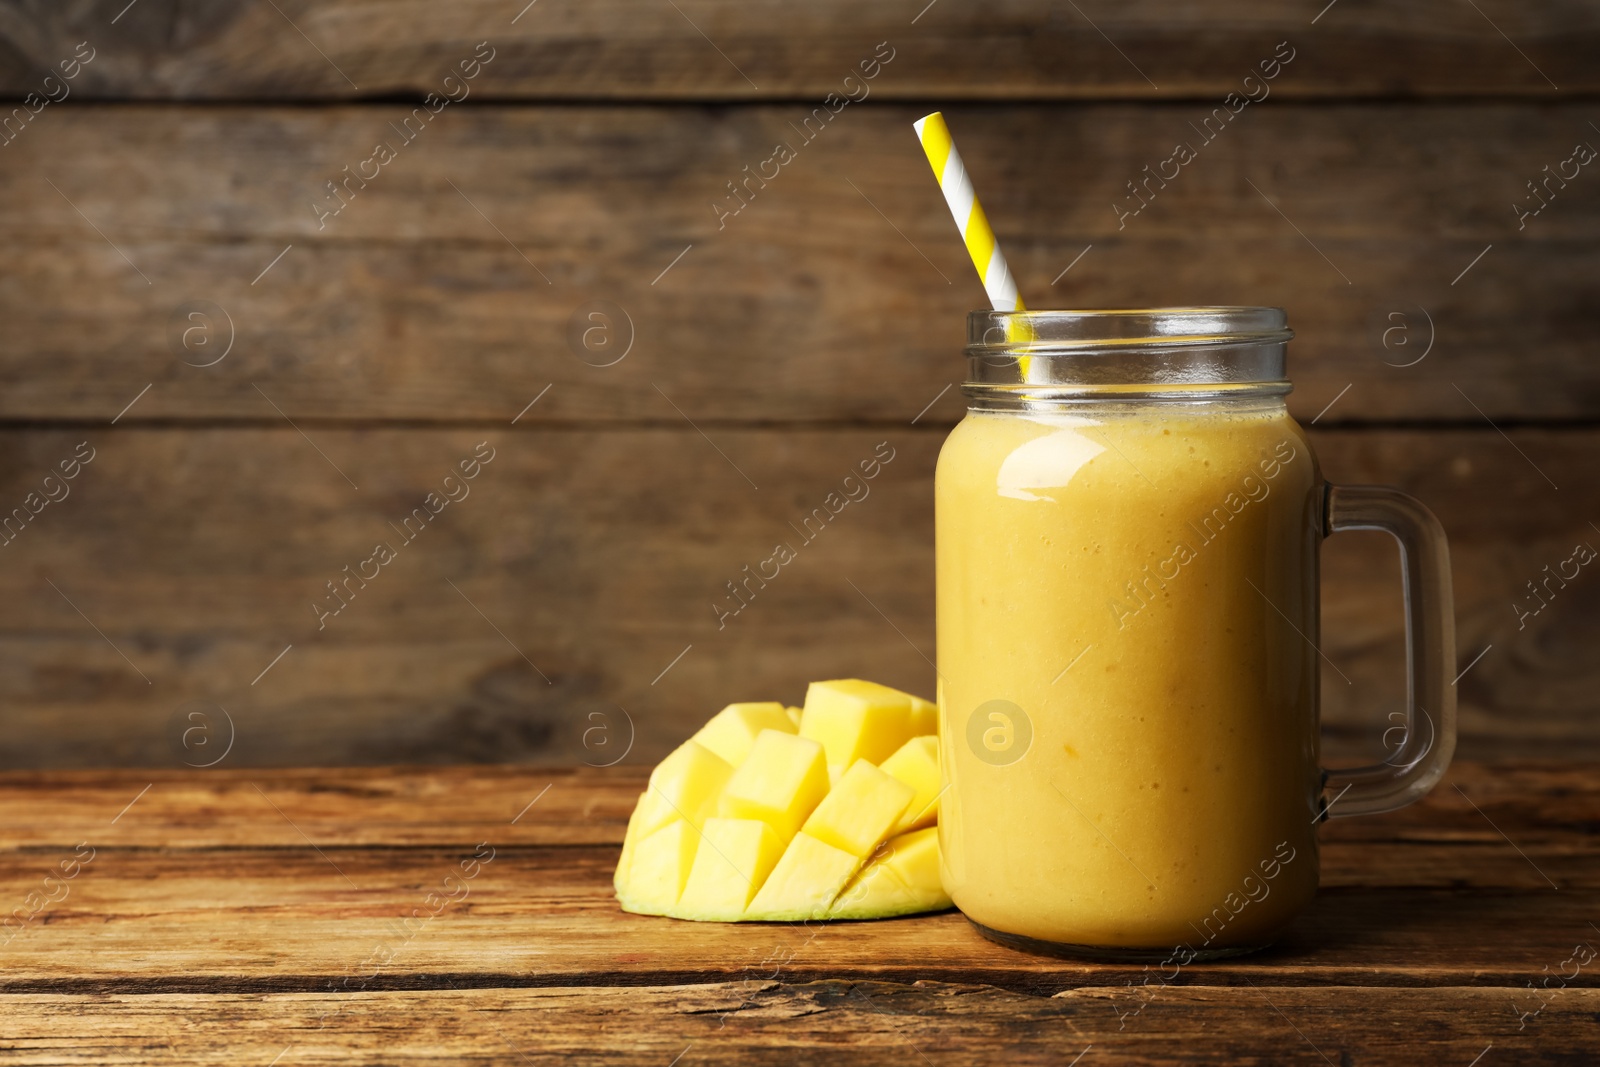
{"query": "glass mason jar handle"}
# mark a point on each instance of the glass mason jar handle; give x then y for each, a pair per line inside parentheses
(1430, 727)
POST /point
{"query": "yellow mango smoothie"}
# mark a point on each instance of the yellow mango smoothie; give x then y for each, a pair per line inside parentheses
(1127, 605)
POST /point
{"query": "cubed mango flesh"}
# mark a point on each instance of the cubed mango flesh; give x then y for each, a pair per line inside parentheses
(804, 882)
(732, 731)
(733, 858)
(902, 878)
(916, 763)
(661, 866)
(860, 809)
(686, 785)
(780, 814)
(853, 719)
(630, 840)
(781, 781)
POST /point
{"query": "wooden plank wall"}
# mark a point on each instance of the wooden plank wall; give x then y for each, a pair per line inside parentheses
(353, 347)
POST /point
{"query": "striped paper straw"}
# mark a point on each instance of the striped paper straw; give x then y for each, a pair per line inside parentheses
(968, 213)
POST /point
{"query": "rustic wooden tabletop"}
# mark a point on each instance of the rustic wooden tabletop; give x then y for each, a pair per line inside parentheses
(465, 916)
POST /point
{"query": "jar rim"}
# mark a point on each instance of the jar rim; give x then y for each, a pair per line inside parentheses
(1044, 357)
(1045, 332)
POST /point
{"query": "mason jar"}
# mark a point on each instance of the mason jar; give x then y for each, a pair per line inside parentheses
(1128, 523)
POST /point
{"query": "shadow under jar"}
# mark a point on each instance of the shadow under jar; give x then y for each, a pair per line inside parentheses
(1127, 533)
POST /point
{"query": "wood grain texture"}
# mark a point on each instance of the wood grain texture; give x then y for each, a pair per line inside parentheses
(1542, 805)
(312, 876)
(782, 1023)
(716, 49)
(244, 917)
(445, 290)
(586, 565)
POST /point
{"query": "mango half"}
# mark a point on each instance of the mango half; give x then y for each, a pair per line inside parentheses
(768, 815)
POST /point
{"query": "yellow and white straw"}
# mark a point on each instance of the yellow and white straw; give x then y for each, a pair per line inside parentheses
(968, 213)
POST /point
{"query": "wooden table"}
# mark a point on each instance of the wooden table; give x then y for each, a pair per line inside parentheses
(465, 916)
